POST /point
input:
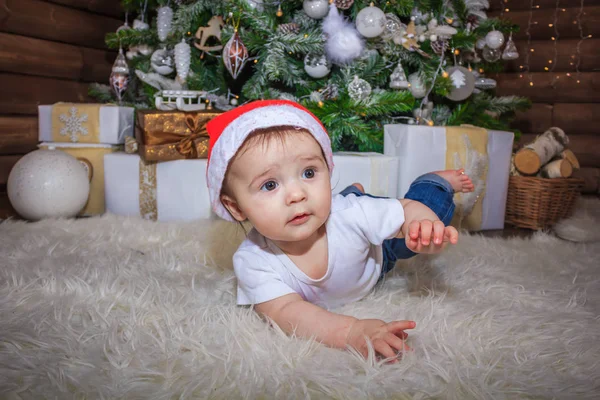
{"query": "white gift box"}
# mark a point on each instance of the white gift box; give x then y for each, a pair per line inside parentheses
(422, 149)
(181, 193)
(378, 173)
(114, 124)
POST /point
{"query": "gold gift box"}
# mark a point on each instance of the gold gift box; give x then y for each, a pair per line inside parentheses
(172, 135)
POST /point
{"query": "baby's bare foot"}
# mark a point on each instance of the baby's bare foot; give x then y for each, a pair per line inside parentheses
(461, 183)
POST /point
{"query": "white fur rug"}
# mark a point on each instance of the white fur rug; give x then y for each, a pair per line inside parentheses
(116, 308)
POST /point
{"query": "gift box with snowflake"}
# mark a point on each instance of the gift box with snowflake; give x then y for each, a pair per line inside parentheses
(85, 123)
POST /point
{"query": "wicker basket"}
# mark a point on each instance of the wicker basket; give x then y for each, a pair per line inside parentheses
(538, 203)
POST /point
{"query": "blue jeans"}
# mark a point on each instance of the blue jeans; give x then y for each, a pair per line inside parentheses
(430, 189)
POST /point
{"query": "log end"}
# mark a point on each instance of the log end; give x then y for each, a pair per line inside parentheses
(527, 162)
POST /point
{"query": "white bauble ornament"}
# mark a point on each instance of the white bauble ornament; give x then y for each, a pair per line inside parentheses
(48, 184)
(256, 5)
(359, 89)
(491, 55)
(162, 61)
(494, 39)
(463, 83)
(144, 49)
(370, 22)
(140, 25)
(183, 58)
(316, 9)
(480, 44)
(317, 65)
(417, 86)
(164, 20)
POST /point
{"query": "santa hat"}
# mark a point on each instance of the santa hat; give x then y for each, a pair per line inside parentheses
(228, 131)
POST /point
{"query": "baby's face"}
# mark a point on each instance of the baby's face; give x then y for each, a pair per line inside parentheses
(283, 189)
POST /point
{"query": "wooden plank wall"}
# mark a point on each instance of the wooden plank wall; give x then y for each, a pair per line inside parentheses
(558, 100)
(49, 51)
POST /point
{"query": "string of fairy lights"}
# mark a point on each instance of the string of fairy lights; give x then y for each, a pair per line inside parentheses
(576, 59)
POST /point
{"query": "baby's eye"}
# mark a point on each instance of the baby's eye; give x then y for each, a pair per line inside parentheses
(308, 173)
(269, 186)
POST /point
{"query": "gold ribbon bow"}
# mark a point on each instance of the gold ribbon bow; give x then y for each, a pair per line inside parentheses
(185, 142)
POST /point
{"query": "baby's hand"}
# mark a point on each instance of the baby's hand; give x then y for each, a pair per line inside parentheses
(430, 237)
(387, 338)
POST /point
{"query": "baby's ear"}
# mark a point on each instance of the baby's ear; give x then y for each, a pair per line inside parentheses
(232, 206)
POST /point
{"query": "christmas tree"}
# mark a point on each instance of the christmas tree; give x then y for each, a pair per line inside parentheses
(356, 65)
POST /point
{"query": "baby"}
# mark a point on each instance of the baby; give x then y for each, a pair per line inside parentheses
(270, 162)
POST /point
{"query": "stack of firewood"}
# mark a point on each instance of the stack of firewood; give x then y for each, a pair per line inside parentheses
(548, 156)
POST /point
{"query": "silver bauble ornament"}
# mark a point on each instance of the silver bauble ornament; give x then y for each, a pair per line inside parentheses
(393, 26)
(359, 89)
(491, 55)
(256, 5)
(317, 65)
(494, 39)
(370, 21)
(480, 44)
(316, 9)
(463, 83)
(162, 61)
(417, 86)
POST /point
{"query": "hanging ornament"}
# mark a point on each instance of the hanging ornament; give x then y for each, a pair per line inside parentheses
(279, 12)
(417, 86)
(393, 27)
(164, 20)
(494, 39)
(343, 43)
(317, 65)
(119, 75)
(162, 61)
(330, 92)
(142, 49)
(183, 57)
(289, 28)
(316, 9)
(398, 78)
(235, 55)
(423, 114)
(343, 4)
(370, 21)
(480, 44)
(256, 5)
(359, 89)
(510, 51)
(439, 46)
(491, 55)
(409, 40)
(484, 83)
(206, 32)
(463, 83)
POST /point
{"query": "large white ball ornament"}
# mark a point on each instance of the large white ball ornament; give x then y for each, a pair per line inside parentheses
(316, 9)
(48, 184)
(494, 39)
(370, 22)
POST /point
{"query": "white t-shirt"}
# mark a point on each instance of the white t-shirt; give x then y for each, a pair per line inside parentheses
(356, 228)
